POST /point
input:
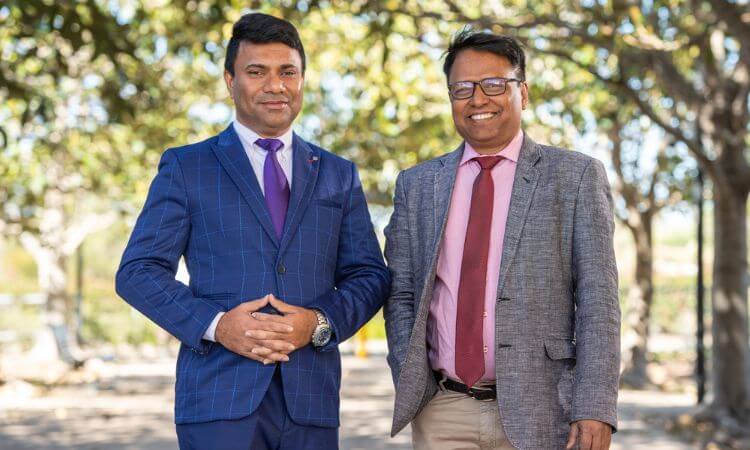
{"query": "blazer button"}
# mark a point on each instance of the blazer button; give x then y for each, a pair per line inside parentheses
(281, 269)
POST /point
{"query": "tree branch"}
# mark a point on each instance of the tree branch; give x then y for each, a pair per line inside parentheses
(670, 79)
(90, 223)
(736, 19)
(647, 109)
(695, 147)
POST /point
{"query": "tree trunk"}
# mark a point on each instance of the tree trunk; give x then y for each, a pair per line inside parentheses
(53, 281)
(731, 352)
(639, 309)
(57, 238)
(59, 314)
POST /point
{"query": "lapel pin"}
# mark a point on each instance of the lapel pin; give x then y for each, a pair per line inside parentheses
(312, 159)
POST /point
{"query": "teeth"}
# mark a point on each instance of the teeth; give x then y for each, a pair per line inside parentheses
(482, 116)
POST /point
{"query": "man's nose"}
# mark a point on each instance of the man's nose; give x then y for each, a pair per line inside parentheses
(479, 98)
(274, 84)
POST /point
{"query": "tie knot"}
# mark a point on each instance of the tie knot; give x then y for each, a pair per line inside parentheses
(487, 162)
(269, 145)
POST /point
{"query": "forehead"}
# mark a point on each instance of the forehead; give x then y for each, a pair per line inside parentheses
(270, 54)
(473, 65)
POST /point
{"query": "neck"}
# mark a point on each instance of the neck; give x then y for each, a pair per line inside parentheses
(494, 147)
(490, 150)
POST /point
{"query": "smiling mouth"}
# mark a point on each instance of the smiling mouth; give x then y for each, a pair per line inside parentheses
(483, 116)
(275, 105)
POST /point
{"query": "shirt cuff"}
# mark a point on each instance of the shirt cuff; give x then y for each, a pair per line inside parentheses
(210, 333)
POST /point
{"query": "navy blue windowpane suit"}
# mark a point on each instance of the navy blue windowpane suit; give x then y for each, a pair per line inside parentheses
(206, 204)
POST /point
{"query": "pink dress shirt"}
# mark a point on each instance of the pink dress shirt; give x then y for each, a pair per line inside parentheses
(441, 323)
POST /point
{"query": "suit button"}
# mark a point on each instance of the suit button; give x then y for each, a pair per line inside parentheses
(485, 349)
(281, 269)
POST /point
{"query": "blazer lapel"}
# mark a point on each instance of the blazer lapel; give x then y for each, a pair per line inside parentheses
(442, 185)
(445, 179)
(524, 184)
(305, 168)
(232, 157)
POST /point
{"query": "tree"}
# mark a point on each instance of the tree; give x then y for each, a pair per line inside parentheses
(644, 191)
(85, 90)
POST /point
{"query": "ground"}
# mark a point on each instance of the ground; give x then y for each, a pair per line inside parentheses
(129, 406)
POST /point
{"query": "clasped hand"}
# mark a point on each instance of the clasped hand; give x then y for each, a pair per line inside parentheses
(266, 338)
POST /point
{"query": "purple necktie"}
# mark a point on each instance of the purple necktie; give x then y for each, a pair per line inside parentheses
(275, 185)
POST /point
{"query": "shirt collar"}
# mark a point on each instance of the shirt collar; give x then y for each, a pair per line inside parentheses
(511, 151)
(248, 136)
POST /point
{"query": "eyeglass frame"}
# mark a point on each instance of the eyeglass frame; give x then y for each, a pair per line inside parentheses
(479, 83)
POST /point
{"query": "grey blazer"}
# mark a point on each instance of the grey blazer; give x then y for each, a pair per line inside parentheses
(557, 315)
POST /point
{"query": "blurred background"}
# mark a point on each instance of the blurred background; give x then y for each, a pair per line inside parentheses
(92, 91)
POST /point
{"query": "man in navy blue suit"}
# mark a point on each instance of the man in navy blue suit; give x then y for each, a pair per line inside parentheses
(283, 261)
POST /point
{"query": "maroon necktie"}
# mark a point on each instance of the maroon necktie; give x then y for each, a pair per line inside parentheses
(471, 287)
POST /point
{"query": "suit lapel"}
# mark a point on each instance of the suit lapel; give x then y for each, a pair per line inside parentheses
(442, 185)
(445, 179)
(305, 168)
(233, 158)
(524, 184)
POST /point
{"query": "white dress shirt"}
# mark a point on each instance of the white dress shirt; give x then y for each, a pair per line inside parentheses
(257, 157)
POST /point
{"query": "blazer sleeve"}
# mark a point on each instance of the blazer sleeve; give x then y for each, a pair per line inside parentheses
(361, 278)
(597, 316)
(399, 308)
(146, 276)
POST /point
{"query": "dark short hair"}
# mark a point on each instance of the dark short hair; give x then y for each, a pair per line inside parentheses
(260, 28)
(501, 45)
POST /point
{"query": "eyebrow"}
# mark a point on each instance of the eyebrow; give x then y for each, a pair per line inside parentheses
(265, 67)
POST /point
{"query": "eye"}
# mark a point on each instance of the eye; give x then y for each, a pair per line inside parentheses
(289, 73)
(462, 89)
(254, 73)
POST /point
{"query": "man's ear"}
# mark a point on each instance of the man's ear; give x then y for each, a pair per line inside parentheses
(229, 80)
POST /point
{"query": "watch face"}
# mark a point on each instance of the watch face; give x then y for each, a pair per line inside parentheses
(321, 336)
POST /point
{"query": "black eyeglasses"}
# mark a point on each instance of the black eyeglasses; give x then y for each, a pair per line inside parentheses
(461, 90)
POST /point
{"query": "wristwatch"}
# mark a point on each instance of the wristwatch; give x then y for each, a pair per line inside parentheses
(322, 333)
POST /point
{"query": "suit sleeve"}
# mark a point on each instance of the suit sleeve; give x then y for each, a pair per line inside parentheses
(597, 316)
(146, 276)
(399, 308)
(361, 279)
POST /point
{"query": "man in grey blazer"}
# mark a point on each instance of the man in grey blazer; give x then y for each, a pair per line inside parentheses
(503, 320)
